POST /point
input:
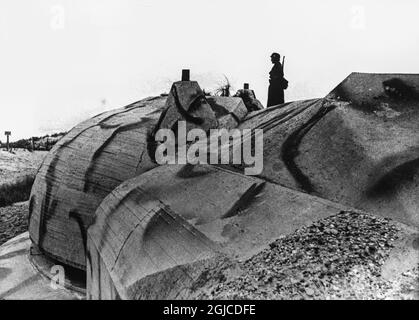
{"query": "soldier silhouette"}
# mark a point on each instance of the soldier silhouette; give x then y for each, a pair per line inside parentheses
(277, 82)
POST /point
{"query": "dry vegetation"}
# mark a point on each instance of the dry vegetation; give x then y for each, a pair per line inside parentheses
(16, 191)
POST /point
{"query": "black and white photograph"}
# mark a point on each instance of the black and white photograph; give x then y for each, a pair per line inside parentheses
(216, 152)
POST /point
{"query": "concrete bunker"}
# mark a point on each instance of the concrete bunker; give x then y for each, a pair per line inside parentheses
(99, 196)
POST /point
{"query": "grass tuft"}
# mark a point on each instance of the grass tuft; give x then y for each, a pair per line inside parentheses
(16, 191)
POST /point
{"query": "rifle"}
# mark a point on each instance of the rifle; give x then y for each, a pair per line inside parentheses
(283, 63)
(284, 81)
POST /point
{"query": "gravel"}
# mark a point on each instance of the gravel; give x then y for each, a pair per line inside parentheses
(339, 257)
(13, 221)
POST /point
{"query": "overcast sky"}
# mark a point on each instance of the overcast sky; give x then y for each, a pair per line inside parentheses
(62, 61)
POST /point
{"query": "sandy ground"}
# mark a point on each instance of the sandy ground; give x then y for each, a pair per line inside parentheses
(19, 163)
